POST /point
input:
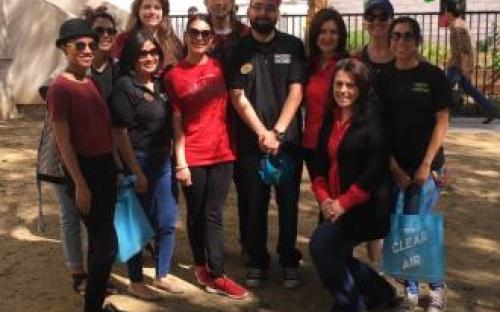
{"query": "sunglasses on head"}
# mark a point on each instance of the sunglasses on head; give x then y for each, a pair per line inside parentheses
(153, 52)
(405, 36)
(196, 33)
(109, 30)
(80, 46)
(382, 17)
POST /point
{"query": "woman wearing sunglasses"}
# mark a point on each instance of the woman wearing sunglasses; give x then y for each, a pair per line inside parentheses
(152, 16)
(104, 69)
(377, 55)
(327, 45)
(377, 18)
(416, 97)
(142, 119)
(82, 128)
(204, 153)
(351, 155)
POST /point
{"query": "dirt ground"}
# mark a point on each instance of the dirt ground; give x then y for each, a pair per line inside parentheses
(33, 276)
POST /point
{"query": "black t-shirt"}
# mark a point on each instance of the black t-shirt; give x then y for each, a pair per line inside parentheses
(376, 68)
(146, 115)
(410, 100)
(265, 71)
(106, 78)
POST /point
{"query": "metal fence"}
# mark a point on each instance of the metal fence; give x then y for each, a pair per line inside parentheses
(485, 32)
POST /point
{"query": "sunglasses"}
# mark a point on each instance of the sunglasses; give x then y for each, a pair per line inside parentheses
(383, 17)
(195, 34)
(109, 30)
(405, 36)
(153, 52)
(80, 46)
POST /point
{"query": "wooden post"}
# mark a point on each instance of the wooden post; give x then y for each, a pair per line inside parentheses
(7, 106)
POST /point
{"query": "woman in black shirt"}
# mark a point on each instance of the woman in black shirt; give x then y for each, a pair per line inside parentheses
(142, 116)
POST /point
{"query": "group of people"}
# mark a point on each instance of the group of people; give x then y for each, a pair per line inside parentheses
(206, 110)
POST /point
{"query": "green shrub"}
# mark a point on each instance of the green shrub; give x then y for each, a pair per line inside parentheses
(356, 39)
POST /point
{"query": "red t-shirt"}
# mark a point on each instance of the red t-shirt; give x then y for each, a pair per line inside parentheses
(82, 106)
(324, 189)
(199, 93)
(315, 96)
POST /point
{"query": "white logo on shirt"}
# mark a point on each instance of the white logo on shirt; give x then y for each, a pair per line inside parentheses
(282, 59)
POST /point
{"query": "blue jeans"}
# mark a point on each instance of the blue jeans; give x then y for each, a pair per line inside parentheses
(411, 207)
(160, 206)
(454, 76)
(354, 285)
(69, 220)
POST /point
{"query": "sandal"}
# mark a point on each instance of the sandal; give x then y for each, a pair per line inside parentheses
(78, 282)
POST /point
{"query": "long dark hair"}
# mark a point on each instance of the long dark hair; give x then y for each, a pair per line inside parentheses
(132, 48)
(321, 17)
(364, 106)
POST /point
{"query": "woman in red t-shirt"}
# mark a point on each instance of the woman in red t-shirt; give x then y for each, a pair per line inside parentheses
(204, 153)
(327, 44)
(152, 16)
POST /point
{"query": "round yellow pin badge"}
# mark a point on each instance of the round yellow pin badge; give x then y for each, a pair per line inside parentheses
(246, 68)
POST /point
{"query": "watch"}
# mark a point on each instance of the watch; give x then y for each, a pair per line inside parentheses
(280, 136)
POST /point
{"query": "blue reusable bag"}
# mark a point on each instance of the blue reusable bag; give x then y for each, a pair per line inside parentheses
(275, 169)
(131, 224)
(414, 248)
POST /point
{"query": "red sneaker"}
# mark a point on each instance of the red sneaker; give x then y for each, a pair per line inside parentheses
(227, 287)
(201, 274)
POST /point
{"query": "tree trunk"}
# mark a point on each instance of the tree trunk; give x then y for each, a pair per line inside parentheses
(7, 106)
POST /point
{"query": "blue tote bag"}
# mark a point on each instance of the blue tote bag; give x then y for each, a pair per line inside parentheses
(131, 224)
(414, 248)
(276, 169)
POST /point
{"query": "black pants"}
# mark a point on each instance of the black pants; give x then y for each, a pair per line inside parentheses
(205, 200)
(100, 175)
(242, 204)
(257, 195)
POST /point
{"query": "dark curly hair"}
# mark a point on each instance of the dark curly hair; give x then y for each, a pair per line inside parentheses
(132, 48)
(91, 15)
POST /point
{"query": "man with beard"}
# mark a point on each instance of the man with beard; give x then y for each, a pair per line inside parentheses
(227, 28)
(266, 76)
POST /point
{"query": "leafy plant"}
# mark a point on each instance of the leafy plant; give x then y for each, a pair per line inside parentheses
(356, 39)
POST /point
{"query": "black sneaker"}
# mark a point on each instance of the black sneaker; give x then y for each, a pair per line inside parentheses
(254, 277)
(489, 119)
(291, 277)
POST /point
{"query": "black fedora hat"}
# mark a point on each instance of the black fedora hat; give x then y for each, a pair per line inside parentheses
(75, 28)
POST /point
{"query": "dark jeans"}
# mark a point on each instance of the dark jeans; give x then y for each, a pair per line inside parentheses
(242, 204)
(257, 195)
(205, 200)
(454, 76)
(100, 175)
(160, 207)
(354, 285)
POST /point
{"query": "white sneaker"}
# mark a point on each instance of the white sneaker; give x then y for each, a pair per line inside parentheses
(410, 302)
(437, 300)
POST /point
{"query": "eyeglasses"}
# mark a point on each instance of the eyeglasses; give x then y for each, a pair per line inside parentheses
(383, 17)
(109, 30)
(80, 46)
(196, 33)
(269, 8)
(153, 52)
(405, 36)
